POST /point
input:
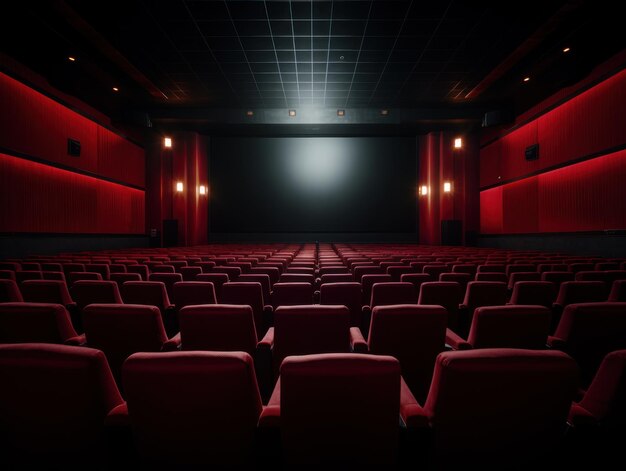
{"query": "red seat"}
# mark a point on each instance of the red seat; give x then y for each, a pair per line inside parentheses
(522, 276)
(168, 279)
(101, 268)
(189, 293)
(443, 293)
(491, 276)
(292, 294)
(249, 294)
(345, 294)
(190, 273)
(218, 280)
(75, 276)
(191, 409)
(9, 292)
(152, 293)
(142, 270)
(396, 271)
(86, 292)
(486, 406)
(337, 278)
(121, 278)
(369, 280)
(618, 291)
(337, 410)
(416, 279)
(542, 293)
(478, 294)
(557, 277)
(232, 272)
(24, 275)
(53, 404)
(36, 322)
(163, 268)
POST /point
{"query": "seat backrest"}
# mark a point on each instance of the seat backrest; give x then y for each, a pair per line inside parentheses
(120, 330)
(416, 279)
(192, 408)
(396, 271)
(542, 293)
(346, 294)
(491, 276)
(151, 293)
(574, 292)
(218, 280)
(23, 275)
(520, 267)
(443, 293)
(160, 268)
(292, 294)
(334, 406)
(86, 292)
(296, 278)
(249, 294)
(618, 291)
(72, 267)
(360, 271)
(334, 270)
(169, 279)
(523, 276)
(46, 291)
(460, 277)
(101, 268)
(482, 293)
(218, 327)
(496, 403)
(9, 292)
(272, 272)
(337, 278)
(415, 335)
(510, 327)
(591, 276)
(605, 399)
(369, 280)
(142, 270)
(7, 275)
(190, 273)
(557, 277)
(259, 278)
(75, 276)
(435, 270)
(385, 294)
(121, 278)
(53, 403)
(590, 331)
(303, 330)
(232, 272)
(188, 293)
(34, 322)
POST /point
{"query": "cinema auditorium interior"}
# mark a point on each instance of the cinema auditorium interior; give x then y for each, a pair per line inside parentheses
(375, 234)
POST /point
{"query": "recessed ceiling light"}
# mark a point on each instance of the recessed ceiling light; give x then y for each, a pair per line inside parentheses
(115, 89)
(71, 59)
(341, 58)
(566, 49)
(292, 113)
(526, 79)
(341, 112)
(384, 112)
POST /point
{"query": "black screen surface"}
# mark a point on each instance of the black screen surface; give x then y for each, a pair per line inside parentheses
(312, 185)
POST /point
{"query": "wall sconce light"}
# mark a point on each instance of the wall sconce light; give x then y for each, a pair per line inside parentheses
(202, 190)
(423, 190)
(167, 142)
(179, 187)
(341, 113)
(447, 187)
(292, 113)
(458, 143)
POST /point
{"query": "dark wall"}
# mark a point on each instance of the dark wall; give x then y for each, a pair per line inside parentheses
(23, 245)
(303, 188)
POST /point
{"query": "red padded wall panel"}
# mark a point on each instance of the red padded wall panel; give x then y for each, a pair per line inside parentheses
(490, 163)
(520, 206)
(491, 211)
(512, 159)
(120, 159)
(39, 198)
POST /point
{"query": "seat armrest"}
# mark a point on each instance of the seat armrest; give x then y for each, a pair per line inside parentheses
(270, 417)
(411, 413)
(357, 342)
(556, 343)
(267, 342)
(118, 417)
(173, 344)
(456, 342)
(78, 340)
(581, 417)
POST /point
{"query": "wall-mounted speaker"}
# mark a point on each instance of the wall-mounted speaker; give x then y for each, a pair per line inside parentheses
(170, 232)
(532, 152)
(73, 147)
(497, 117)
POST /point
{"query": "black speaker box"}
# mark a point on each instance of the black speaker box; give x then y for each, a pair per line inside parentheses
(73, 147)
(170, 232)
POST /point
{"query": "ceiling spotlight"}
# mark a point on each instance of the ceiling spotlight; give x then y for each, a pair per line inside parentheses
(566, 49)
(384, 112)
(341, 58)
(341, 113)
(249, 113)
(115, 89)
(292, 113)
(526, 79)
(71, 59)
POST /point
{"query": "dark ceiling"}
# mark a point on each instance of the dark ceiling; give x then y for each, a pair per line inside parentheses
(186, 54)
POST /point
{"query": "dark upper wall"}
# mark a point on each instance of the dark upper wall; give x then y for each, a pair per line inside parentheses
(45, 190)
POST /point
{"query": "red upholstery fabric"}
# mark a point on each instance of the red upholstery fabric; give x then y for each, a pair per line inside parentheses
(361, 271)
(296, 278)
(169, 279)
(120, 330)
(340, 409)
(303, 330)
(35, 322)
(369, 280)
(443, 293)
(152, 293)
(9, 292)
(232, 272)
(190, 273)
(192, 408)
(573, 292)
(218, 327)
(218, 280)
(46, 291)
(259, 278)
(541, 293)
(489, 276)
(605, 400)
(494, 404)
(86, 292)
(557, 277)
(189, 293)
(523, 276)
(23, 275)
(272, 272)
(385, 294)
(53, 402)
(249, 294)
(396, 271)
(292, 294)
(414, 335)
(510, 327)
(142, 270)
(416, 279)
(121, 278)
(478, 294)
(7, 275)
(75, 276)
(337, 278)
(161, 268)
(618, 291)
(346, 294)
(103, 269)
(589, 331)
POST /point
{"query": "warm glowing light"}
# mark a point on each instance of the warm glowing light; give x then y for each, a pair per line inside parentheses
(202, 190)
(458, 143)
(115, 89)
(249, 113)
(167, 142)
(423, 190)
(566, 49)
(447, 187)
(384, 112)
(71, 59)
(341, 112)
(179, 187)
(526, 79)
(292, 113)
